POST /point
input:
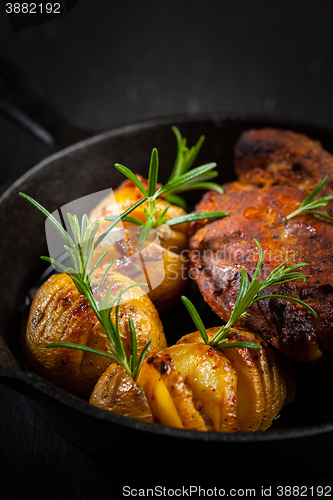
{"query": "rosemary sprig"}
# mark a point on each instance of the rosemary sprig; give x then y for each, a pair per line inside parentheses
(185, 158)
(248, 295)
(182, 178)
(308, 206)
(80, 248)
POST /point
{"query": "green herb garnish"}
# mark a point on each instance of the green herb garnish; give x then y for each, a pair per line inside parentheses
(80, 248)
(185, 158)
(182, 178)
(248, 295)
(308, 206)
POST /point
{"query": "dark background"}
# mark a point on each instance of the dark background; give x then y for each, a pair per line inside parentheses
(106, 64)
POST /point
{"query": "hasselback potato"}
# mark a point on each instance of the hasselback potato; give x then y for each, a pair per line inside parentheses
(168, 246)
(60, 314)
(264, 378)
(192, 385)
(125, 196)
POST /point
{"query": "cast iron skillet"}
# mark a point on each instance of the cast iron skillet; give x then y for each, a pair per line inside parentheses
(300, 440)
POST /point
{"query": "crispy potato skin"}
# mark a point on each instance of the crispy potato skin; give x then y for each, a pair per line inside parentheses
(60, 314)
(277, 169)
(264, 379)
(172, 242)
(191, 385)
(117, 392)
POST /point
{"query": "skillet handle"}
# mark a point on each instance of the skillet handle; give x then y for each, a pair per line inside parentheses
(21, 102)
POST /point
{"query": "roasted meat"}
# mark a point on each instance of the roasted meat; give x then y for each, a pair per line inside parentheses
(269, 156)
(276, 171)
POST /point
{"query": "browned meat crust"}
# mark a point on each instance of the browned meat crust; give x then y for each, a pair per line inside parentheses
(276, 170)
(284, 157)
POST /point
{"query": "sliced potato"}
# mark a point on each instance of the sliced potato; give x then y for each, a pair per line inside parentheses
(250, 395)
(159, 397)
(170, 399)
(117, 392)
(260, 358)
(263, 379)
(213, 381)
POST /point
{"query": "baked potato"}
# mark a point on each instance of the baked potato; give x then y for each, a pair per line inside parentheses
(264, 378)
(60, 314)
(122, 244)
(192, 385)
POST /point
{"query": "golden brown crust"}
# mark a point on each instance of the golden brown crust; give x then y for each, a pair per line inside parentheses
(117, 392)
(60, 314)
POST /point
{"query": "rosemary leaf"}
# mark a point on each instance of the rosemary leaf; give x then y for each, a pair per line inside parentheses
(313, 212)
(58, 265)
(315, 191)
(194, 217)
(195, 318)
(97, 263)
(291, 299)
(185, 157)
(84, 225)
(81, 348)
(307, 206)
(162, 218)
(209, 186)
(140, 361)
(242, 344)
(145, 231)
(193, 153)
(188, 176)
(132, 177)
(134, 344)
(133, 220)
(175, 199)
(74, 224)
(153, 173)
(106, 273)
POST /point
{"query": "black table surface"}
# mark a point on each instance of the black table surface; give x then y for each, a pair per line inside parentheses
(105, 64)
